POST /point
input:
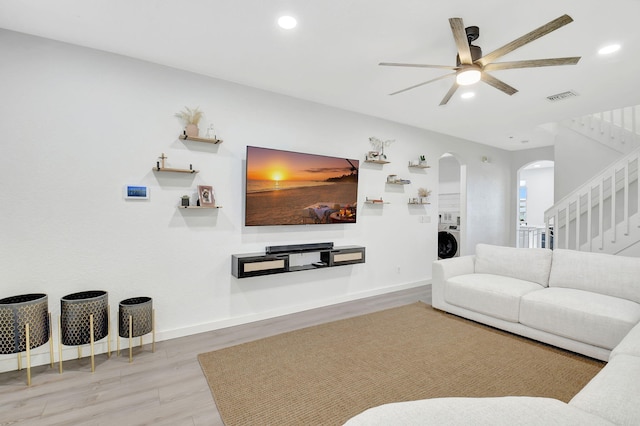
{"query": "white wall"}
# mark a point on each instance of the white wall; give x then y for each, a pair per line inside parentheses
(78, 124)
(578, 159)
(488, 190)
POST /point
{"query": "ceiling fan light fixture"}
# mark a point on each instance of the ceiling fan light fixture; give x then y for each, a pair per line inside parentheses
(468, 76)
(471, 64)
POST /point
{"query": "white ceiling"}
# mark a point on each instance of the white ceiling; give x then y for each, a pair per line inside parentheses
(332, 56)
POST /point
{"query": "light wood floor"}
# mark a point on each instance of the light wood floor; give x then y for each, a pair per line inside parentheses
(162, 388)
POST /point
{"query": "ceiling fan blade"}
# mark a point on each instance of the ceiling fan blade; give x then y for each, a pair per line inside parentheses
(460, 37)
(422, 84)
(533, 63)
(449, 94)
(498, 84)
(527, 38)
(395, 64)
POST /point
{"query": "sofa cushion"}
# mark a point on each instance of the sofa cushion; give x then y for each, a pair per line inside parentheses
(617, 276)
(591, 318)
(613, 393)
(528, 264)
(508, 411)
(494, 295)
(630, 345)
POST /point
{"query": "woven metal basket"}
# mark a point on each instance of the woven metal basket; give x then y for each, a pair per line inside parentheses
(15, 313)
(75, 310)
(141, 311)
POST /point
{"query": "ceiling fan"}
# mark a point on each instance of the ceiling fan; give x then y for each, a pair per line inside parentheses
(472, 67)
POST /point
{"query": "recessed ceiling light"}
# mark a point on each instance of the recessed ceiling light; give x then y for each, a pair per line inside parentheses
(287, 22)
(467, 95)
(609, 49)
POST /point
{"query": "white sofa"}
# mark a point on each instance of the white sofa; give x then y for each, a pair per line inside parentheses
(584, 302)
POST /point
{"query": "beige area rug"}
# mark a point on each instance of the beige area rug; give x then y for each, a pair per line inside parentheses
(326, 374)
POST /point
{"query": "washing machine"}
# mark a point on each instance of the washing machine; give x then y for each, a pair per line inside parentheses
(448, 236)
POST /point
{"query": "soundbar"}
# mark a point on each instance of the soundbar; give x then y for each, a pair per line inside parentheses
(298, 248)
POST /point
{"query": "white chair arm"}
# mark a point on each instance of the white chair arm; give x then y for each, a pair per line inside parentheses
(445, 269)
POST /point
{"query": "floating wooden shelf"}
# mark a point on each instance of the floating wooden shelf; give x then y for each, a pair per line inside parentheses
(376, 202)
(377, 161)
(417, 204)
(399, 183)
(256, 264)
(419, 166)
(199, 207)
(169, 169)
(199, 139)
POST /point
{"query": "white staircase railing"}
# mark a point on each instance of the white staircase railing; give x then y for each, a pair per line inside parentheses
(617, 129)
(603, 214)
(531, 237)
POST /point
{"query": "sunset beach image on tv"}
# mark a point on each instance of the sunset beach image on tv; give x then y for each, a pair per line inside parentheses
(293, 188)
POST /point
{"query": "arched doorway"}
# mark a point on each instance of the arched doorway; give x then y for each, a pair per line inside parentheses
(534, 196)
(451, 206)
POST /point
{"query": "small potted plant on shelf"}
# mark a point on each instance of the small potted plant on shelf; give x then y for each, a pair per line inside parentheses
(191, 118)
(424, 195)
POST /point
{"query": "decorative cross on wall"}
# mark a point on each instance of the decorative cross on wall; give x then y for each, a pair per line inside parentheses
(163, 157)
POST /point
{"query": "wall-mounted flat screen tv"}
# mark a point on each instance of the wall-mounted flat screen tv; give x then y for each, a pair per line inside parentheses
(294, 188)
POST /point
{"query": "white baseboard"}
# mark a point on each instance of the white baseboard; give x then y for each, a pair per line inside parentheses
(230, 322)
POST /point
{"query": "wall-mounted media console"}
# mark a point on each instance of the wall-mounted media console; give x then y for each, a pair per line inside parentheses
(298, 257)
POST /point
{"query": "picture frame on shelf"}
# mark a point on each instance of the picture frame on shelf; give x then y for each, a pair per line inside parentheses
(205, 195)
(373, 156)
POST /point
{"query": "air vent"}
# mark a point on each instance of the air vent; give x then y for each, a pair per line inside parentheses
(562, 96)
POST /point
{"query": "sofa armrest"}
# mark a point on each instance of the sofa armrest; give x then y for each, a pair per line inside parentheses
(630, 345)
(614, 392)
(445, 269)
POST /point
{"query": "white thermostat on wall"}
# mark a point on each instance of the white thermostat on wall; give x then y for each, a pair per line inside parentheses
(136, 192)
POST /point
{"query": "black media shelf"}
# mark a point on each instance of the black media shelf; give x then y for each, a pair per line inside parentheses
(257, 264)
